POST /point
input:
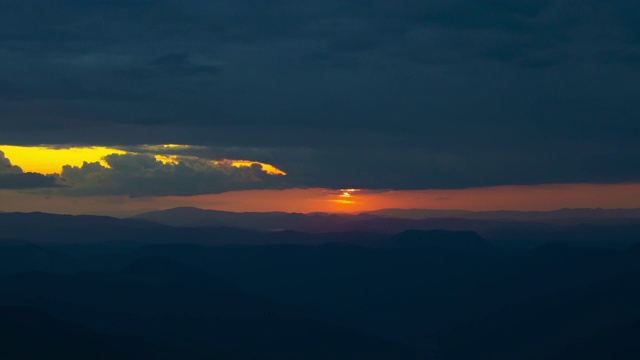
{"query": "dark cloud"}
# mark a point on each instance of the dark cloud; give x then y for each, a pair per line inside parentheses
(25, 181)
(178, 64)
(384, 94)
(6, 167)
(12, 177)
(142, 175)
(182, 64)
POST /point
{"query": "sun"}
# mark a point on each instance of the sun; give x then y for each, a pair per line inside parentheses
(348, 192)
(346, 197)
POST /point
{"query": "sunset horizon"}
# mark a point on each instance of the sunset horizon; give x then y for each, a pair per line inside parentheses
(319, 179)
(57, 167)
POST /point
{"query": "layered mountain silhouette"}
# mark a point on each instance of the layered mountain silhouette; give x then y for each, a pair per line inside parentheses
(441, 239)
(86, 287)
(163, 301)
(189, 216)
(561, 215)
(619, 227)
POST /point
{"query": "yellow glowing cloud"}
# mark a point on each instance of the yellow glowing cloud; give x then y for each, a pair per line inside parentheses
(50, 160)
(168, 159)
(268, 168)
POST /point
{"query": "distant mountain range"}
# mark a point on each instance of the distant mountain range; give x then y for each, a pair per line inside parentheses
(60, 230)
(194, 217)
(553, 216)
(209, 227)
(615, 227)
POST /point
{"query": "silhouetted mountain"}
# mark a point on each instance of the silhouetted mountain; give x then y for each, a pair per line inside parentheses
(366, 288)
(618, 342)
(265, 221)
(561, 215)
(551, 325)
(164, 301)
(126, 234)
(441, 239)
(523, 230)
(60, 229)
(426, 290)
(538, 302)
(26, 333)
(146, 287)
(20, 258)
(197, 292)
(186, 216)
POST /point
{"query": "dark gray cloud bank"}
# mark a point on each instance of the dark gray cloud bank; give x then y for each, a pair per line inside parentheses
(368, 94)
(142, 175)
(12, 177)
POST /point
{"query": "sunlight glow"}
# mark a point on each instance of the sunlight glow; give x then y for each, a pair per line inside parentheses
(344, 202)
(268, 168)
(348, 192)
(50, 160)
(346, 197)
(167, 159)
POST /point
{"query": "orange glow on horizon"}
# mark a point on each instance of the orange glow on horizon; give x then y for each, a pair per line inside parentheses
(50, 159)
(343, 202)
(347, 198)
(348, 192)
(524, 198)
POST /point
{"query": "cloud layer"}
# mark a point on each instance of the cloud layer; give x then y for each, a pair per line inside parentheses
(12, 177)
(377, 94)
(142, 175)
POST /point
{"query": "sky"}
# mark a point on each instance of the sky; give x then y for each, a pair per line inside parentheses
(124, 106)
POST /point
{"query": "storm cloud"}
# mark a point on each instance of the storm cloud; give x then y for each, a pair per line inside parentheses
(139, 175)
(6, 167)
(378, 94)
(12, 177)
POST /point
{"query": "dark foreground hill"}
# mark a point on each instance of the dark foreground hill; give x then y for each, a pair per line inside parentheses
(162, 302)
(588, 322)
(208, 292)
(341, 301)
(26, 333)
